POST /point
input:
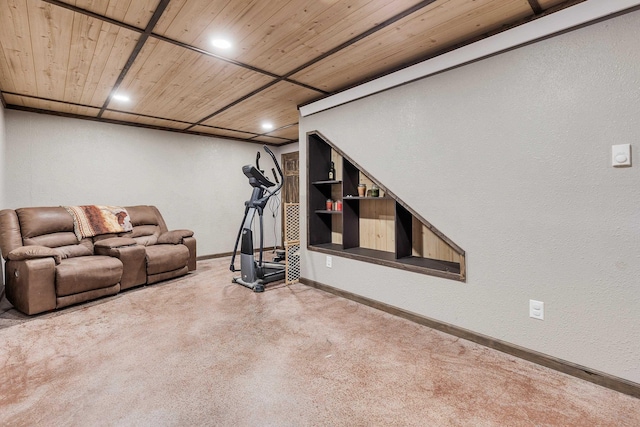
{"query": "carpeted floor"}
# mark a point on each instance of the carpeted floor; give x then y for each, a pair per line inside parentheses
(202, 351)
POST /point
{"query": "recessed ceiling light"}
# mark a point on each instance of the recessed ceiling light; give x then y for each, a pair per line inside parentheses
(267, 126)
(122, 98)
(221, 43)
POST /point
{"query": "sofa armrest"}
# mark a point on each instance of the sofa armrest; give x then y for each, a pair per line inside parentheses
(33, 252)
(190, 243)
(30, 284)
(115, 242)
(10, 236)
(174, 237)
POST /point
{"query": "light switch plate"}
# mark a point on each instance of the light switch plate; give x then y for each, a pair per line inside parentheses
(621, 155)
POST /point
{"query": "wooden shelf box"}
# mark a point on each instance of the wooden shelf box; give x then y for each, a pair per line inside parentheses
(381, 230)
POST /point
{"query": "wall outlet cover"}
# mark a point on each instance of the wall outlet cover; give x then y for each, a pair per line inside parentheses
(536, 309)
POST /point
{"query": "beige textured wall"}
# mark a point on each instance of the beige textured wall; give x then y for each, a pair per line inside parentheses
(196, 182)
(510, 157)
(2, 153)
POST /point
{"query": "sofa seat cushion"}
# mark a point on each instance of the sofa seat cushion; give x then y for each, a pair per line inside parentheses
(161, 258)
(174, 237)
(81, 274)
(72, 251)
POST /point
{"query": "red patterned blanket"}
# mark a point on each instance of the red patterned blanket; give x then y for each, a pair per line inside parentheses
(92, 220)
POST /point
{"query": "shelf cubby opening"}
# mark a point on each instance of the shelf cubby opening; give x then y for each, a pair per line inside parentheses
(381, 230)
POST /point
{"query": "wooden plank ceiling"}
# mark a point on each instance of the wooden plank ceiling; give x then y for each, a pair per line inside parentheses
(71, 57)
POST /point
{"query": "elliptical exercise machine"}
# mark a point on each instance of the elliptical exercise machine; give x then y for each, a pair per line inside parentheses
(255, 274)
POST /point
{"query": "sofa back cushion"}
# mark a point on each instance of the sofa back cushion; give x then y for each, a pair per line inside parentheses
(35, 222)
(146, 225)
(52, 227)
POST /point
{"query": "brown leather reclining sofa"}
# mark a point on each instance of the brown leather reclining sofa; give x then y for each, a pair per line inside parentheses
(47, 267)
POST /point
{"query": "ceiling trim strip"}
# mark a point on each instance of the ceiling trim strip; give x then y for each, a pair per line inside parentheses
(42, 98)
(584, 13)
(112, 110)
(535, 6)
(147, 126)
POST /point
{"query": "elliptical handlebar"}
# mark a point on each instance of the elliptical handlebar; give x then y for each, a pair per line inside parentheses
(275, 162)
(258, 179)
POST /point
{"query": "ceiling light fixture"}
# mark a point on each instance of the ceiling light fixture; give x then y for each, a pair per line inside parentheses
(122, 98)
(267, 126)
(221, 43)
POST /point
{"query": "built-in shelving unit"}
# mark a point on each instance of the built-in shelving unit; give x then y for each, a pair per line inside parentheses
(381, 230)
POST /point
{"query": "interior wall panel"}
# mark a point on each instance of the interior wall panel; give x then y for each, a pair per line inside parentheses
(511, 158)
(195, 181)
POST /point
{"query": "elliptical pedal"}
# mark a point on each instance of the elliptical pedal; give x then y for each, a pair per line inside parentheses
(280, 255)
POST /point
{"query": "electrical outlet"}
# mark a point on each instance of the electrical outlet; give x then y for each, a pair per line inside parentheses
(329, 260)
(536, 309)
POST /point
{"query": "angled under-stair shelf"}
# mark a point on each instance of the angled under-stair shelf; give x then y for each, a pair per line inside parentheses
(382, 230)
